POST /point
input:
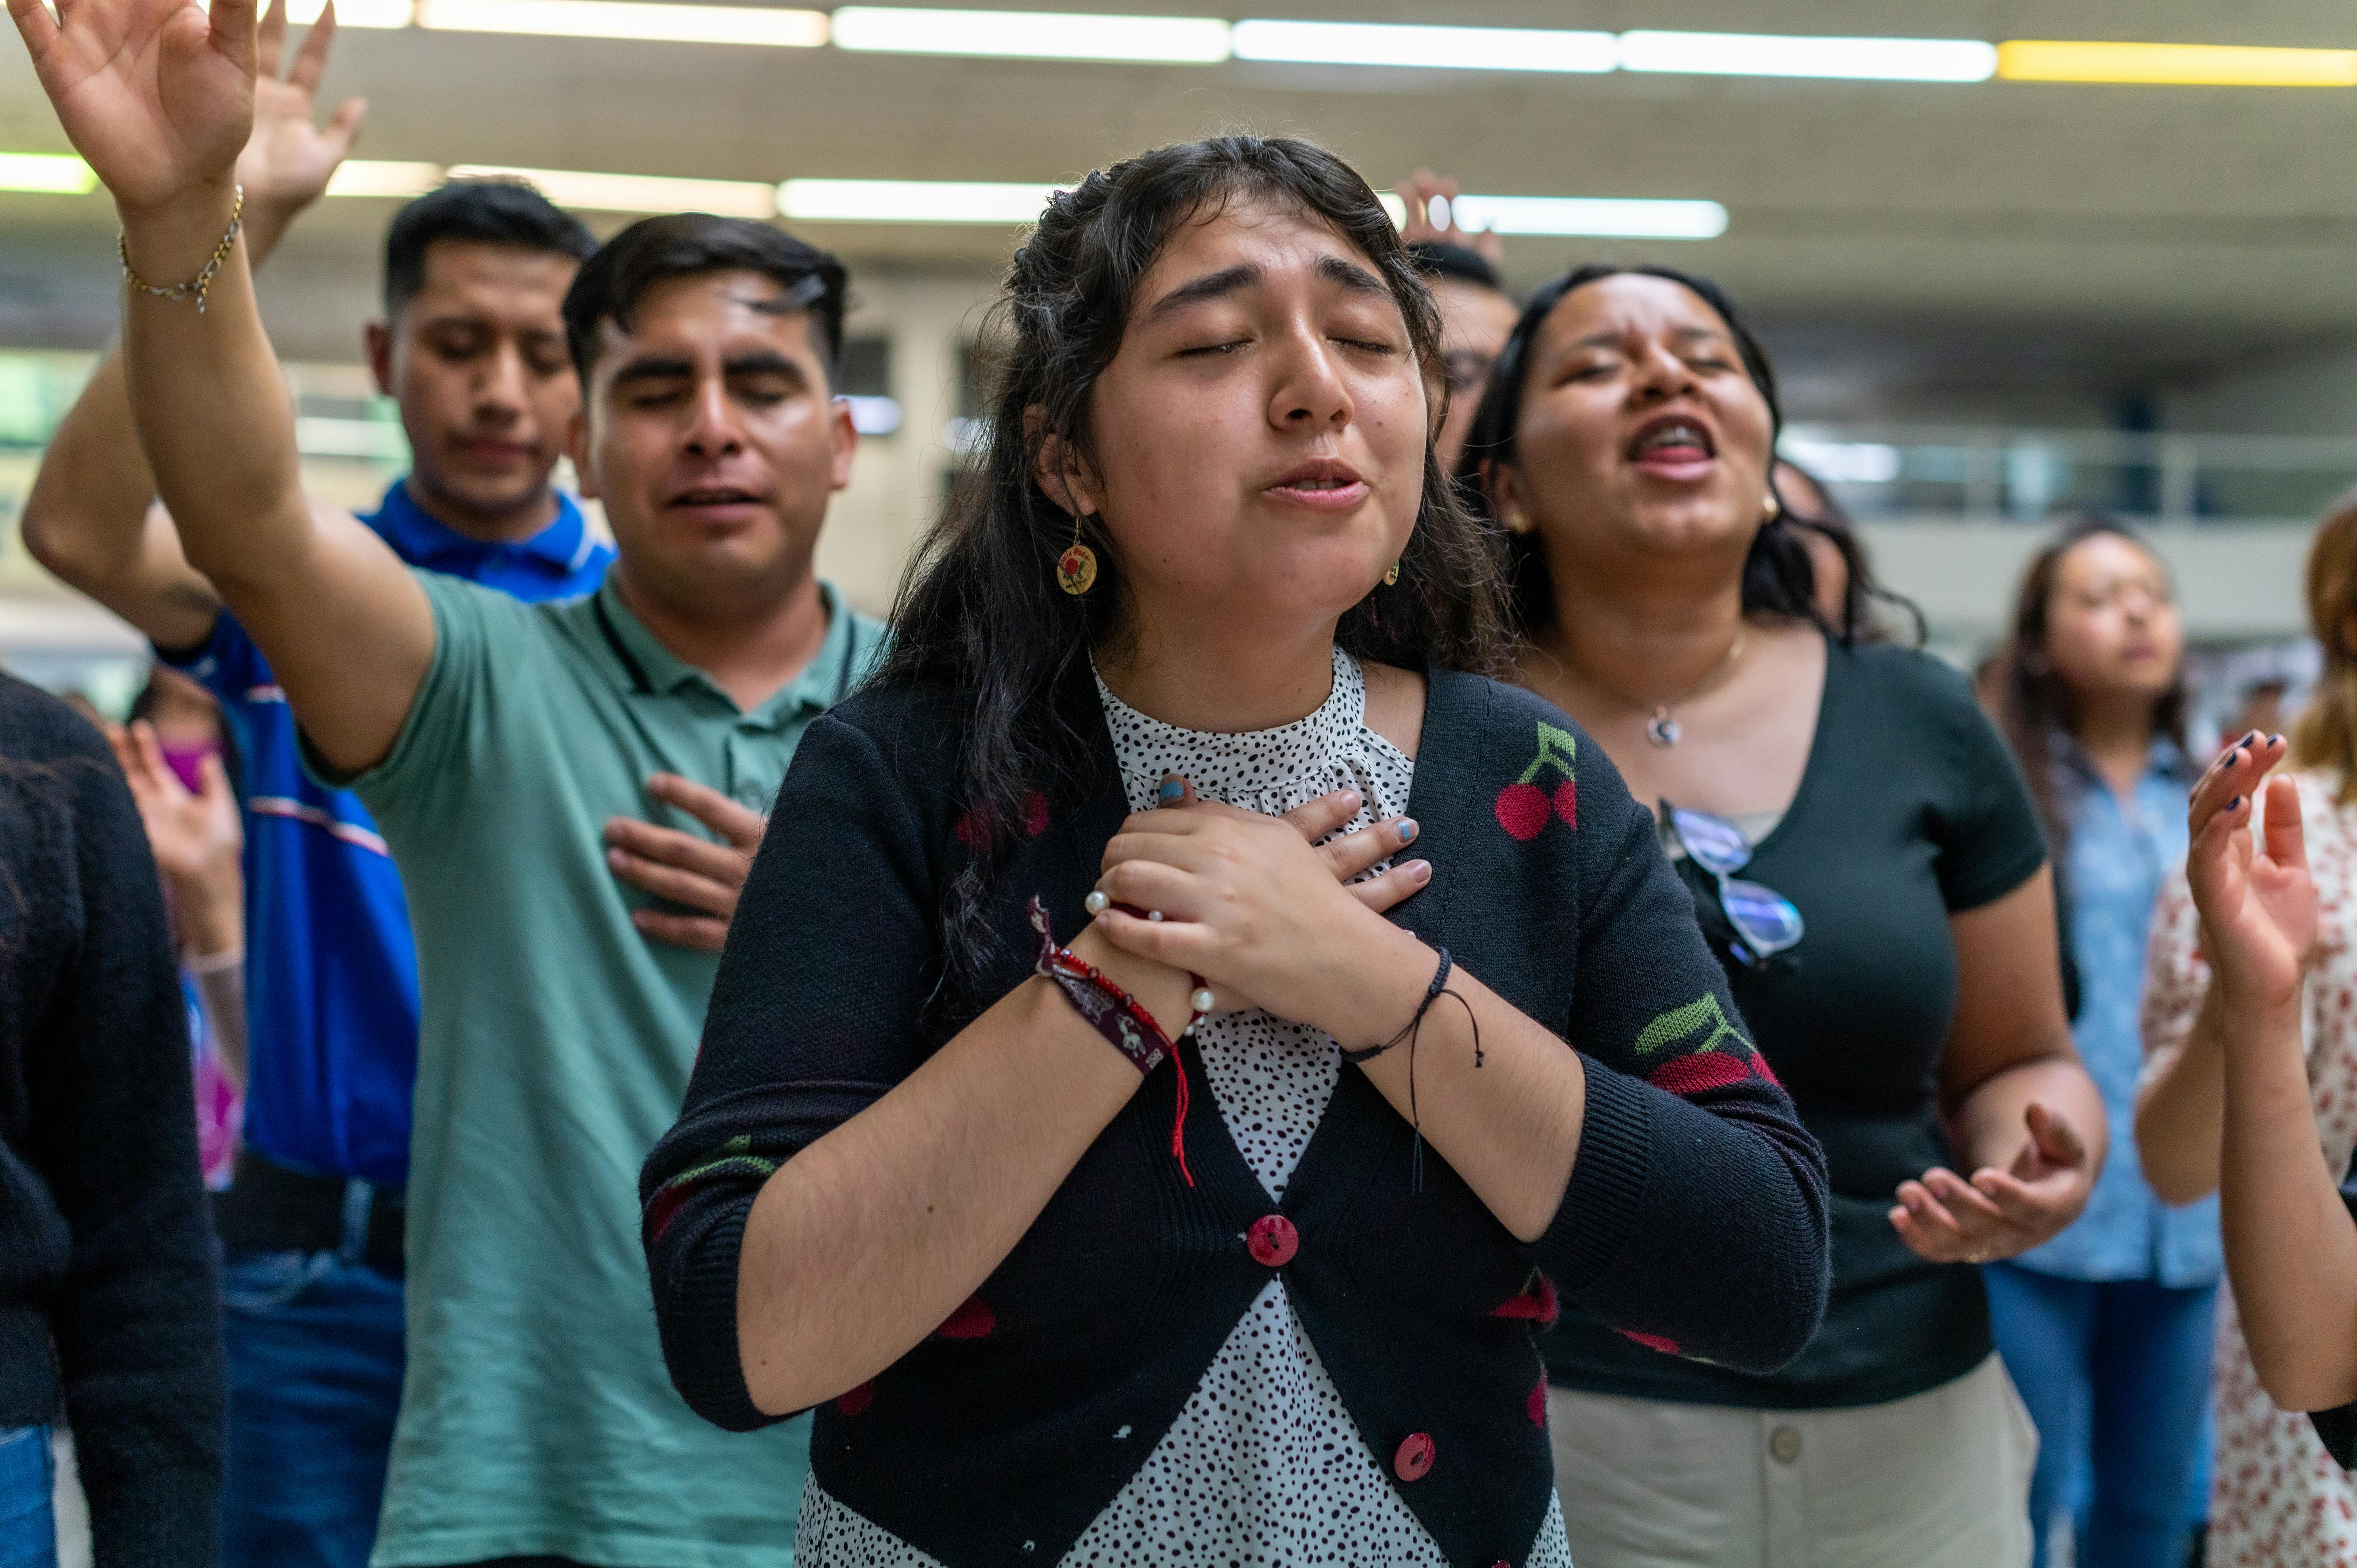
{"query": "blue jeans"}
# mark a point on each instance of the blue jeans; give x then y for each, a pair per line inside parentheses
(2116, 1377)
(315, 1363)
(28, 1530)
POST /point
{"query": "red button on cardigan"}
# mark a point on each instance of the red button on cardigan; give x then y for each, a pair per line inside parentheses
(1273, 1241)
(1414, 1456)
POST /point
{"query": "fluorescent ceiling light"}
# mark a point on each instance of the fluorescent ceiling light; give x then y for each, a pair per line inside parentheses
(1032, 35)
(638, 192)
(1596, 216)
(365, 177)
(46, 174)
(651, 19)
(1460, 48)
(2188, 65)
(1772, 54)
(354, 12)
(911, 201)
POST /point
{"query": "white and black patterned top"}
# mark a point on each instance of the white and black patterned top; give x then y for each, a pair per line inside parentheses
(1264, 1465)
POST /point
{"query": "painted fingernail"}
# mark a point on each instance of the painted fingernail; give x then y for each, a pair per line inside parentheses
(2233, 804)
(2274, 740)
(1408, 830)
(1172, 790)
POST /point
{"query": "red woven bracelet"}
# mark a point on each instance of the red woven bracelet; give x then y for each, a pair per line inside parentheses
(1113, 1013)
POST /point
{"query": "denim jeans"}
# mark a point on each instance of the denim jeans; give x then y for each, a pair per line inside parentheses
(29, 1530)
(315, 1363)
(2116, 1375)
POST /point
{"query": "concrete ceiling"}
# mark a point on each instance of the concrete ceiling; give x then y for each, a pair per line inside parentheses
(1998, 234)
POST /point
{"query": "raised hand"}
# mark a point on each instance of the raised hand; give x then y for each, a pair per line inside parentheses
(289, 159)
(155, 95)
(2257, 904)
(192, 835)
(1417, 192)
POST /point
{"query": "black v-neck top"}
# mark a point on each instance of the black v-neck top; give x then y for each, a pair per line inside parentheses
(1911, 809)
(1694, 1214)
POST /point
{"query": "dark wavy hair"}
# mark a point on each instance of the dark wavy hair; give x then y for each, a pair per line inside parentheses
(2034, 704)
(1777, 576)
(979, 610)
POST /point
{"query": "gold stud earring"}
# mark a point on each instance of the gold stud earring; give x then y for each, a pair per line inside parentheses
(1390, 578)
(1774, 510)
(1516, 521)
(1076, 568)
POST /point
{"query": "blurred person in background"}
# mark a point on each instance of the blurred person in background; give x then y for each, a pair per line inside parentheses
(1844, 591)
(110, 1313)
(472, 347)
(1059, 1307)
(1476, 311)
(177, 757)
(1868, 867)
(2277, 1497)
(497, 745)
(2107, 1328)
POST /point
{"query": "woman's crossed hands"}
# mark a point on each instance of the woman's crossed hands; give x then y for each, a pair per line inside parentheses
(1265, 914)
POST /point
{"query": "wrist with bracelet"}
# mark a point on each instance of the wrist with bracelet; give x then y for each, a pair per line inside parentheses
(196, 288)
(1119, 1017)
(1408, 1035)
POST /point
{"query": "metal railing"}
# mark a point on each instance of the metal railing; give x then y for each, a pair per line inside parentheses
(1890, 472)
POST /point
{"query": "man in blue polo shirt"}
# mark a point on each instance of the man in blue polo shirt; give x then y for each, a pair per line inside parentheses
(473, 348)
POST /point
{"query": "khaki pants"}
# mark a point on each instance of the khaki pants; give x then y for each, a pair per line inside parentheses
(1939, 1480)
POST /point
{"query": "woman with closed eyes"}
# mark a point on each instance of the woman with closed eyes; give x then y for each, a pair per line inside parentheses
(1124, 1182)
(1868, 872)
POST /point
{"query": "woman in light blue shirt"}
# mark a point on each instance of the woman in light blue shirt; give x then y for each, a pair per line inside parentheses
(2106, 1328)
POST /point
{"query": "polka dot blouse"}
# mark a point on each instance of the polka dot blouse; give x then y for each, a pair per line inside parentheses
(1262, 1467)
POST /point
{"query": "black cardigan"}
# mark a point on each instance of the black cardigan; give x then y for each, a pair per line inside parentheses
(105, 1246)
(1696, 1219)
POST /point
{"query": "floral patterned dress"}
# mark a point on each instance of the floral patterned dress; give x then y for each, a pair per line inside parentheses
(2277, 1499)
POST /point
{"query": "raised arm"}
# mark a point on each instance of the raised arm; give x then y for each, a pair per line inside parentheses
(2291, 1251)
(160, 100)
(92, 518)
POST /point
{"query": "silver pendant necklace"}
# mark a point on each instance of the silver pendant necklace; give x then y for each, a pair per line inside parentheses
(1664, 730)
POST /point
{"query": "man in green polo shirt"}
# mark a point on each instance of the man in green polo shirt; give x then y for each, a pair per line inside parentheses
(564, 959)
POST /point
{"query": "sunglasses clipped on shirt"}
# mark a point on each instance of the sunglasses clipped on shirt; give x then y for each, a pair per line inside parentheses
(1765, 922)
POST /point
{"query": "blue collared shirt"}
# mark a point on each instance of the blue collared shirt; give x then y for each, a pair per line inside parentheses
(332, 976)
(2120, 850)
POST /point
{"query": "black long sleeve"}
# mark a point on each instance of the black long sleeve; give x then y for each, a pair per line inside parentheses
(105, 1245)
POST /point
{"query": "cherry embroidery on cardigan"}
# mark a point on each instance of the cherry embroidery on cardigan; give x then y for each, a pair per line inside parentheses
(1523, 808)
(1724, 1057)
(857, 1401)
(1535, 1406)
(972, 1320)
(1534, 1303)
(1661, 1342)
(976, 835)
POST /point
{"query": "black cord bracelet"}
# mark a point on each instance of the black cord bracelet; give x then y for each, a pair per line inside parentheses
(1432, 994)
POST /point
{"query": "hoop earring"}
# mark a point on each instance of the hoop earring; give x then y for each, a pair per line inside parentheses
(1076, 568)
(1390, 578)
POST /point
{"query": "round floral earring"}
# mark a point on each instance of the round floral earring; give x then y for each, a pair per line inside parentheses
(1076, 568)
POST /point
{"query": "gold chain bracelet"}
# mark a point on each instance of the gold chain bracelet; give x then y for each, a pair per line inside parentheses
(196, 286)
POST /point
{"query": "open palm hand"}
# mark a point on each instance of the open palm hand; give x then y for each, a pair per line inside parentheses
(289, 159)
(155, 95)
(2257, 902)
